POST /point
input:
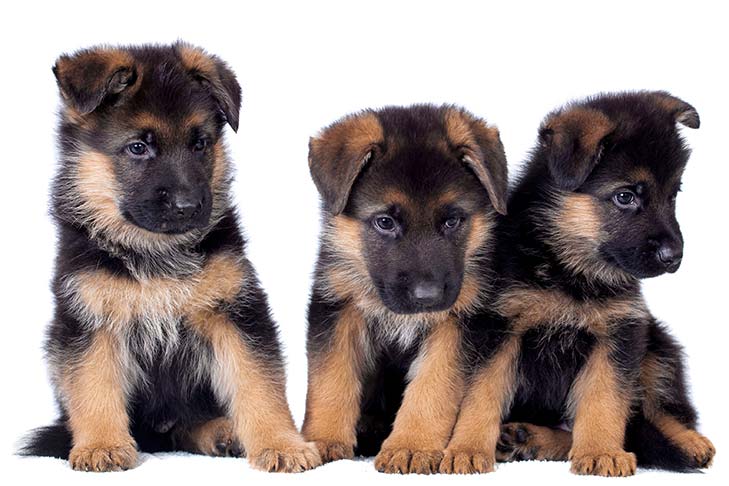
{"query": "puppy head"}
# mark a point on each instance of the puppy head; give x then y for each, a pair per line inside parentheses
(143, 127)
(410, 194)
(615, 162)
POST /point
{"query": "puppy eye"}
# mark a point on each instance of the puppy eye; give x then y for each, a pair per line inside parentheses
(625, 199)
(385, 224)
(137, 148)
(200, 145)
(452, 223)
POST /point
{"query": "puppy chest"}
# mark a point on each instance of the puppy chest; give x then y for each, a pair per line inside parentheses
(176, 365)
(530, 308)
(549, 362)
(101, 299)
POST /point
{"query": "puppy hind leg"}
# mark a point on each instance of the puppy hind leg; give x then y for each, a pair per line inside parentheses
(528, 442)
(665, 435)
(214, 437)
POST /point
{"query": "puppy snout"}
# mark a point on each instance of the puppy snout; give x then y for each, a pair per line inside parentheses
(181, 205)
(427, 293)
(670, 256)
(186, 206)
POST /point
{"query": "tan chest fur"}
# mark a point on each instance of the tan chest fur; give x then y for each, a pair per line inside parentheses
(527, 308)
(101, 299)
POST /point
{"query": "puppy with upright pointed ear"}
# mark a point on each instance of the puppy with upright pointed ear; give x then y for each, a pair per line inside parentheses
(409, 199)
(572, 344)
(157, 304)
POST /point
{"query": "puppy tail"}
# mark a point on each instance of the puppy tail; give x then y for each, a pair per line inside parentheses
(653, 449)
(50, 441)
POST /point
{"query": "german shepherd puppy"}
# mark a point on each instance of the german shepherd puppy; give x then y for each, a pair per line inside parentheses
(162, 337)
(409, 201)
(572, 341)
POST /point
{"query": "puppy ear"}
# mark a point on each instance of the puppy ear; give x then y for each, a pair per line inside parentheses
(88, 77)
(215, 75)
(681, 111)
(481, 150)
(338, 155)
(572, 141)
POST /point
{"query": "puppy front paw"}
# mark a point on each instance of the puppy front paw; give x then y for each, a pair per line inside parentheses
(103, 457)
(610, 464)
(291, 456)
(333, 450)
(464, 461)
(408, 461)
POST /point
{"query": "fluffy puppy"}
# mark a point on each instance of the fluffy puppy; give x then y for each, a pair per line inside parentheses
(409, 201)
(162, 338)
(571, 342)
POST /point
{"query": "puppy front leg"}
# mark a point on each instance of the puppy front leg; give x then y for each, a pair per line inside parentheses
(255, 394)
(429, 407)
(94, 395)
(472, 449)
(335, 388)
(601, 413)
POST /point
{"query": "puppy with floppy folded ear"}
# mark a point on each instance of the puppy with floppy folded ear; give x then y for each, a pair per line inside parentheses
(157, 307)
(571, 344)
(410, 196)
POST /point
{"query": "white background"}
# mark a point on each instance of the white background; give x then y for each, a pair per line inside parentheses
(301, 67)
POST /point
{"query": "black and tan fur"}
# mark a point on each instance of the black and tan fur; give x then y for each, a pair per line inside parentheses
(162, 337)
(571, 343)
(409, 201)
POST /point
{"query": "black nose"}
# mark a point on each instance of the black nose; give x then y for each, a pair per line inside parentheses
(670, 256)
(427, 293)
(186, 206)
